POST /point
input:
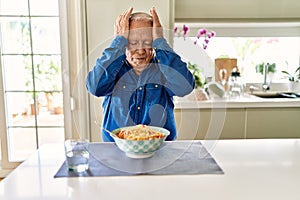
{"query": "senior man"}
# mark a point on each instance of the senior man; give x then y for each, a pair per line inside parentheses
(138, 74)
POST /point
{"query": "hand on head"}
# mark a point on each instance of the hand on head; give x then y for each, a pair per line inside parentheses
(157, 28)
(122, 24)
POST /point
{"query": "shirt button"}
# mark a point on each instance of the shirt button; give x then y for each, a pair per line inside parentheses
(158, 60)
(140, 88)
(139, 108)
(124, 86)
(156, 86)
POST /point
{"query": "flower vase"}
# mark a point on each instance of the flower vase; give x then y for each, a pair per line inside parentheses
(294, 87)
(198, 94)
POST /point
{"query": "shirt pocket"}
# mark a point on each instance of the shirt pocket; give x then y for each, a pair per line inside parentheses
(124, 90)
(154, 92)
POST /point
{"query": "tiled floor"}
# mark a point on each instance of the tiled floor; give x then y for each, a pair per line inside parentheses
(22, 134)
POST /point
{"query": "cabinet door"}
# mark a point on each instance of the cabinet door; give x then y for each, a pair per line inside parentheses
(273, 123)
(210, 123)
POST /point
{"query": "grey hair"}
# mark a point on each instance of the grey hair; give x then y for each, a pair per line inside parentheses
(140, 16)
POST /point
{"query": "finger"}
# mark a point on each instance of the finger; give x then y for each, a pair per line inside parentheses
(128, 12)
(126, 15)
(156, 22)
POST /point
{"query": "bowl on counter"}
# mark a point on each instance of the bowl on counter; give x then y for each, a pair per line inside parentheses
(143, 148)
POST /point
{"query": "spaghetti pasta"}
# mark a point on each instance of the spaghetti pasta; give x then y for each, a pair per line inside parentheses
(139, 132)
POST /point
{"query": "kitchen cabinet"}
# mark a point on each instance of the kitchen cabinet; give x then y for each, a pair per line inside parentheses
(216, 123)
(273, 123)
(256, 118)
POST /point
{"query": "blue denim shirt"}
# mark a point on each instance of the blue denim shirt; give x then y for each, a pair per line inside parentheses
(146, 99)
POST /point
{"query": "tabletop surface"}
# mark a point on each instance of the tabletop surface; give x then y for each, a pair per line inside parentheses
(253, 169)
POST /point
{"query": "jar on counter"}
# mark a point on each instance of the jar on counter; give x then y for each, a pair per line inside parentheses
(236, 85)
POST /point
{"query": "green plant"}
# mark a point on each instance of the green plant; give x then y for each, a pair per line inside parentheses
(198, 76)
(293, 77)
(260, 68)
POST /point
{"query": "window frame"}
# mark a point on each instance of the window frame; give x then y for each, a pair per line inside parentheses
(5, 163)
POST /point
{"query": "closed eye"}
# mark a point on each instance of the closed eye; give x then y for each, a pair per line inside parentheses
(133, 43)
(148, 43)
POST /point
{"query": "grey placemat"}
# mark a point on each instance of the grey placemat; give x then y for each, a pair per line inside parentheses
(178, 157)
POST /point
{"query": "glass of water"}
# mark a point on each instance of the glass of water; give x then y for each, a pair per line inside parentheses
(77, 155)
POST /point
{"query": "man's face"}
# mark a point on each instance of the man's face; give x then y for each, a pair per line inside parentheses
(139, 51)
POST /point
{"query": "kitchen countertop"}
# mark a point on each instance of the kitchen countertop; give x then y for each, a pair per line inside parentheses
(253, 169)
(248, 101)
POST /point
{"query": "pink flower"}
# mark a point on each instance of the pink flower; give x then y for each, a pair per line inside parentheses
(213, 34)
(206, 35)
(201, 33)
(185, 30)
(256, 41)
(272, 40)
(175, 30)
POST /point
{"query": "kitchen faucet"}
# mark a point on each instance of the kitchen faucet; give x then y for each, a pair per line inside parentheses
(266, 86)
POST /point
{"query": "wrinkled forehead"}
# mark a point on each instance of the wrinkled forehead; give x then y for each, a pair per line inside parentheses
(140, 16)
(140, 29)
(140, 24)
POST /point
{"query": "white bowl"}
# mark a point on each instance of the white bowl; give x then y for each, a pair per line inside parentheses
(139, 148)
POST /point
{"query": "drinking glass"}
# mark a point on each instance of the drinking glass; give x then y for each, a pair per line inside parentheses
(77, 155)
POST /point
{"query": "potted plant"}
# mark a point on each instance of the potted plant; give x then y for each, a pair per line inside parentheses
(198, 76)
(294, 80)
(199, 92)
(32, 97)
(34, 104)
(295, 77)
(48, 78)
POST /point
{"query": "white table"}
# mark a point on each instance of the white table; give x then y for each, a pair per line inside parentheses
(254, 169)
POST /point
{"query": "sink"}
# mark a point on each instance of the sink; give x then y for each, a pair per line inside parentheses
(276, 94)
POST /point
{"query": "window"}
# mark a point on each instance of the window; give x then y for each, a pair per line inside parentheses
(251, 51)
(31, 75)
(251, 44)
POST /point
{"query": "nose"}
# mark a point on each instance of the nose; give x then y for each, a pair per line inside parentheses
(141, 45)
(140, 48)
